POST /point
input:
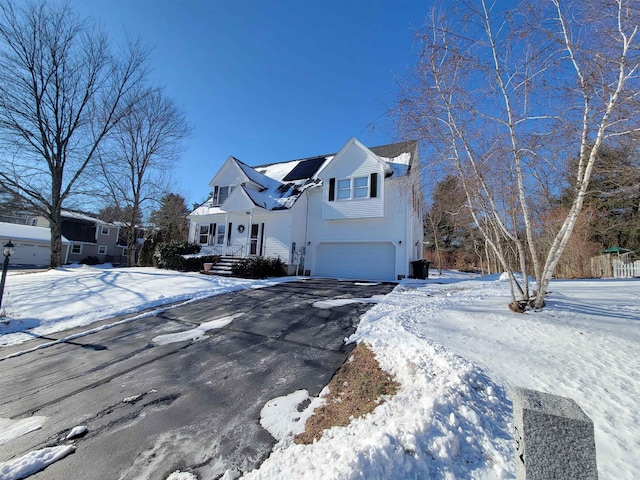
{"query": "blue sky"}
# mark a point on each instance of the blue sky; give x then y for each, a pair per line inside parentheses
(269, 81)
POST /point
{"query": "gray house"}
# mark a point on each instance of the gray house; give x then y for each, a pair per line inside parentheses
(89, 237)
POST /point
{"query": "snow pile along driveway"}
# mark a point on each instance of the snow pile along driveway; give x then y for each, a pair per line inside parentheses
(449, 419)
(456, 349)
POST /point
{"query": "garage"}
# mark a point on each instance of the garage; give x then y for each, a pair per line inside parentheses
(32, 245)
(357, 260)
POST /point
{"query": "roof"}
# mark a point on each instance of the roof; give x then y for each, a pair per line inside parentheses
(14, 231)
(618, 250)
(84, 216)
(282, 183)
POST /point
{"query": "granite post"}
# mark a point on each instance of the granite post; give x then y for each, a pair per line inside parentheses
(554, 438)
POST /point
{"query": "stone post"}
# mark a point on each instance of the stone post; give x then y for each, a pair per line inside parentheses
(554, 438)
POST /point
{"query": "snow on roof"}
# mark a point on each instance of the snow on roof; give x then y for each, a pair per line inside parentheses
(277, 171)
(257, 177)
(207, 208)
(403, 159)
(282, 183)
(85, 217)
(26, 232)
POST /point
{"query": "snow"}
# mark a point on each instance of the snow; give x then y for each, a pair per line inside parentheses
(450, 341)
(79, 431)
(10, 429)
(283, 416)
(178, 475)
(33, 462)
(42, 303)
(14, 232)
(195, 334)
(457, 350)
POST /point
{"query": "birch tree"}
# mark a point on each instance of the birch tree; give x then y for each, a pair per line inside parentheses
(506, 98)
(62, 90)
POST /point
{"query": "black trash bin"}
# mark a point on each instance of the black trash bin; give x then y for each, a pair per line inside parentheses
(420, 269)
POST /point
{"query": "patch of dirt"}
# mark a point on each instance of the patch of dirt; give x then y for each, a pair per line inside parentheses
(356, 389)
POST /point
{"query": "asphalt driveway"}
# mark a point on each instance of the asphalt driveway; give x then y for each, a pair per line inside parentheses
(190, 405)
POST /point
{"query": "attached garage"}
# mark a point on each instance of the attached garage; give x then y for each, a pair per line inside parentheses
(32, 245)
(357, 260)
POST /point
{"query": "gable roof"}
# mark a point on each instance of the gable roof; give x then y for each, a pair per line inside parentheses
(283, 183)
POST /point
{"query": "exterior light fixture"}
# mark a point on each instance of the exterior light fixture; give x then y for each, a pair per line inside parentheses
(7, 251)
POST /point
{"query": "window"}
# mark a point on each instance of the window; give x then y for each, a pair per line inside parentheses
(360, 187)
(220, 234)
(104, 230)
(204, 234)
(350, 188)
(344, 189)
(102, 249)
(220, 194)
(34, 222)
(76, 248)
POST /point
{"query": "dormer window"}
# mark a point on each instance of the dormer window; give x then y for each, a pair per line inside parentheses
(353, 188)
(221, 193)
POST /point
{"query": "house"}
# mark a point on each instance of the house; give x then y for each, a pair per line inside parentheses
(353, 214)
(89, 237)
(32, 244)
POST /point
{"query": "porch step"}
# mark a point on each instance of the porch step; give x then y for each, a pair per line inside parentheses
(224, 266)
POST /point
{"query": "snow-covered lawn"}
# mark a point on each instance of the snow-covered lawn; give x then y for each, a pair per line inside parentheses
(450, 341)
(55, 300)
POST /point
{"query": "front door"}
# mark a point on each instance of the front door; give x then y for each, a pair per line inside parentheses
(257, 235)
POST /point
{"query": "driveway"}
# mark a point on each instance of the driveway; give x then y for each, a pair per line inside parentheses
(190, 405)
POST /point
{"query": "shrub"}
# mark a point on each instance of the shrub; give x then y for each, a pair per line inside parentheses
(259, 267)
(169, 255)
(194, 264)
(90, 260)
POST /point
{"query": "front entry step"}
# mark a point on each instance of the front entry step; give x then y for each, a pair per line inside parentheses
(223, 267)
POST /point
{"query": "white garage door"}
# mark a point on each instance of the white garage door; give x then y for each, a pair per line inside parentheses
(366, 261)
(30, 253)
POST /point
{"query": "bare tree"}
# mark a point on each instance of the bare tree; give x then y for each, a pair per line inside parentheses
(139, 158)
(508, 97)
(61, 92)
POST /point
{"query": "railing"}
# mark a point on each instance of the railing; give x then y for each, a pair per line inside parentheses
(224, 250)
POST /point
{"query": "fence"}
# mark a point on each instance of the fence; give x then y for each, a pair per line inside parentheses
(626, 269)
(607, 266)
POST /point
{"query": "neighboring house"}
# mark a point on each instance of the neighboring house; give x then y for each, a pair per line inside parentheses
(353, 214)
(89, 237)
(32, 244)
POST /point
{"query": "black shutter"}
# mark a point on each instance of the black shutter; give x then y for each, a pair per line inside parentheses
(229, 234)
(374, 185)
(332, 189)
